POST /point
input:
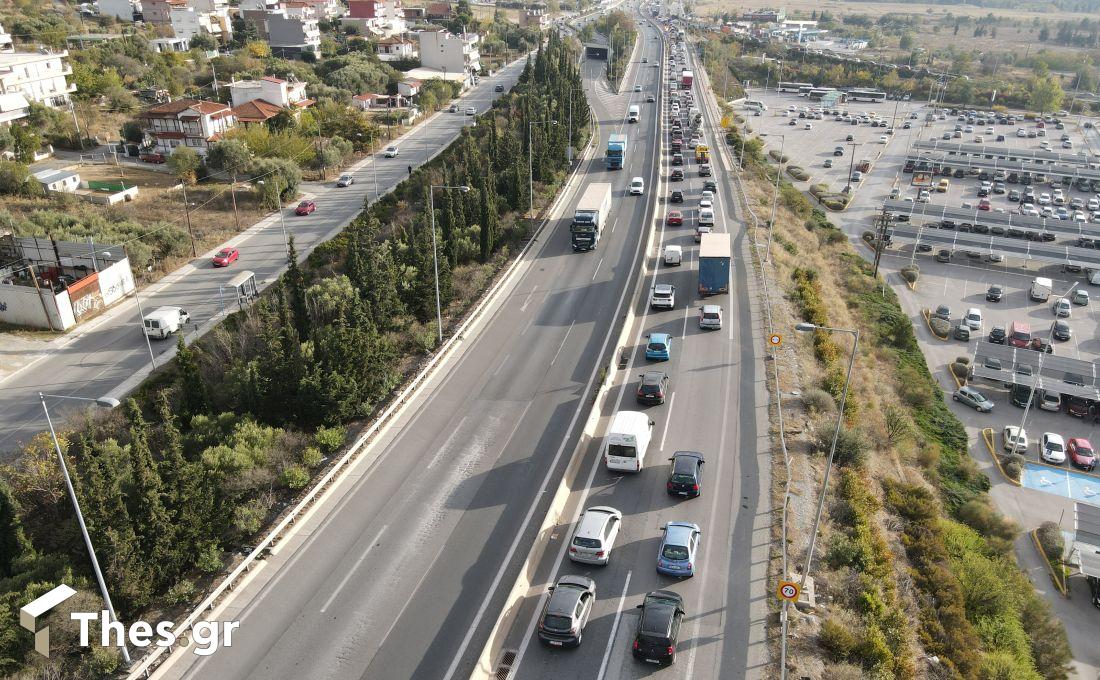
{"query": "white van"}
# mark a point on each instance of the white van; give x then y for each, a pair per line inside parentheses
(627, 440)
(164, 321)
(706, 217)
(1040, 288)
(633, 113)
(673, 255)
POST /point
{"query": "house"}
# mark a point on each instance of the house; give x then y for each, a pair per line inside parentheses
(256, 111)
(535, 18)
(158, 11)
(293, 37)
(13, 107)
(39, 76)
(438, 10)
(187, 22)
(415, 14)
(381, 18)
(159, 45)
(6, 44)
(410, 87)
(58, 181)
(123, 10)
(765, 16)
(396, 49)
(326, 10)
(281, 93)
(258, 5)
(185, 122)
(370, 100)
(444, 51)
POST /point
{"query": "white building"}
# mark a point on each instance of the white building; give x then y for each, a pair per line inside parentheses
(281, 93)
(60, 181)
(185, 122)
(6, 44)
(396, 49)
(376, 18)
(444, 51)
(261, 5)
(293, 37)
(159, 45)
(123, 10)
(39, 76)
(187, 22)
(13, 107)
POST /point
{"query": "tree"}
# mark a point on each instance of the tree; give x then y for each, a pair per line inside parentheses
(25, 142)
(193, 396)
(230, 155)
(185, 163)
(146, 498)
(1044, 94)
(15, 179)
(907, 41)
(131, 132)
(12, 540)
(296, 289)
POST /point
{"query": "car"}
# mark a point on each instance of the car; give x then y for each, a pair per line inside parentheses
(676, 176)
(984, 204)
(637, 186)
(710, 317)
(1052, 448)
(828, 163)
(973, 319)
(453, 108)
(678, 552)
(566, 611)
(498, 88)
(793, 122)
(704, 170)
(637, 88)
(942, 312)
(1062, 308)
(994, 293)
(701, 229)
(595, 535)
(674, 218)
(662, 295)
(1014, 439)
(1014, 196)
(471, 111)
(677, 159)
(685, 475)
(392, 152)
(1061, 330)
(857, 176)
(849, 138)
(225, 257)
(943, 255)
(658, 347)
(1080, 297)
(652, 388)
(305, 208)
(710, 185)
(1081, 453)
(345, 180)
(838, 150)
(676, 197)
(658, 628)
(650, 99)
(973, 398)
(1067, 144)
(962, 332)
(1049, 400)
(882, 139)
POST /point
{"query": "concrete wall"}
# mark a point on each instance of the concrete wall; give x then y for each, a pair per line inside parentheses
(22, 306)
(116, 282)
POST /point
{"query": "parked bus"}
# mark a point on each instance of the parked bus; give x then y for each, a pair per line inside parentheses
(866, 96)
(755, 105)
(793, 87)
(818, 92)
(805, 90)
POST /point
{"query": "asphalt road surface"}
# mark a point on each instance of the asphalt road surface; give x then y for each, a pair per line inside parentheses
(107, 351)
(401, 577)
(715, 406)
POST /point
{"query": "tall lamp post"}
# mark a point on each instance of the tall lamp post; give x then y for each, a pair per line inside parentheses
(105, 402)
(531, 161)
(775, 195)
(435, 250)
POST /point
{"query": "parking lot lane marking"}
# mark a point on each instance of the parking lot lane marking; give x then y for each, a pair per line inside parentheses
(597, 269)
(614, 628)
(351, 571)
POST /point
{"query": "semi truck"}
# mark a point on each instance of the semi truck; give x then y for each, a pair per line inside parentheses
(590, 216)
(686, 78)
(714, 264)
(616, 151)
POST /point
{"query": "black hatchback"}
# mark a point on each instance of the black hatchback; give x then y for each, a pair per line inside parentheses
(658, 627)
(998, 335)
(685, 475)
(652, 387)
(994, 293)
(676, 197)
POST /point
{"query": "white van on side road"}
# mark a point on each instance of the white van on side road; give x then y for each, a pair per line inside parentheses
(164, 321)
(627, 441)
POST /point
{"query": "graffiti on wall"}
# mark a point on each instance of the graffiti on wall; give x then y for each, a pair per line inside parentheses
(85, 297)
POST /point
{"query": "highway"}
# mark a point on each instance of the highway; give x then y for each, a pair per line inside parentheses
(95, 359)
(717, 406)
(400, 573)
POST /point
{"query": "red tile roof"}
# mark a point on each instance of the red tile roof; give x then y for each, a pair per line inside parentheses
(256, 111)
(273, 79)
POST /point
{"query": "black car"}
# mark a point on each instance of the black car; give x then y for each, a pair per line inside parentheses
(849, 138)
(498, 88)
(1020, 395)
(676, 197)
(658, 627)
(652, 388)
(994, 293)
(1062, 330)
(997, 335)
(677, 175)
(566, 611)
(710, 185)
(685, 475)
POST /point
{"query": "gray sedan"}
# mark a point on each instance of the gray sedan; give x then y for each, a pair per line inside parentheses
(974, 399)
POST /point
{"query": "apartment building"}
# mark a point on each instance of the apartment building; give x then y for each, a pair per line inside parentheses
(396, 49)
(442, 50)
(294, 34)
(378, 18)
(185, 122)
(39, 76)
(123, 10)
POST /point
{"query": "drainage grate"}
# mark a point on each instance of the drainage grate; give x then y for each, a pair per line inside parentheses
(504, 668)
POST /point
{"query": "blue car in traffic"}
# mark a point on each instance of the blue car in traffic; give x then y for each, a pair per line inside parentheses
(659, 347)
(678, 549)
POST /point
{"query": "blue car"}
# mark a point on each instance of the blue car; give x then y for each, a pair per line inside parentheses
(678, 549)
(659, 347)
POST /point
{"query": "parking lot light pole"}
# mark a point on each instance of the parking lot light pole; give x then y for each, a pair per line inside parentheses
(435, 250)
(105, 402)
(806, 328)
(775, 197)
(851, 167)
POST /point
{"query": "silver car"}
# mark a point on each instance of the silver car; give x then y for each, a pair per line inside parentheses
(595, 535)
(974, 399)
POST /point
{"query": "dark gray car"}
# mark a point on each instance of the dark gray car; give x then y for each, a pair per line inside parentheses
(566, 611)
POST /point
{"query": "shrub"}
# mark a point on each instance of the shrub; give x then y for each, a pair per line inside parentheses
(248, 518)
(294, 476)
(210, 558)
(834, 203)
(960, 370)
(1013, 465)
(838, 639)
(843, 671)
(330, 439)
(818, 401)
(851, 445)
(181, 592)
(980, 515)
(311, 456)
(795, 200)
(1051, 539)
(777, 157)
(940, 327)
(910, 273)
(798, 172)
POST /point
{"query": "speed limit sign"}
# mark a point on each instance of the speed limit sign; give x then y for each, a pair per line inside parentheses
(775, 339)
(788, 590)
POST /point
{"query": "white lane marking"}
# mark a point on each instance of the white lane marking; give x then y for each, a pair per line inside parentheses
(597, 269)
(614, 628)
(528, 326)
(526, 302)
(501, 364)
(684, 328)
(668, 419)
(354, 567)
(447, 444)
(562, 345)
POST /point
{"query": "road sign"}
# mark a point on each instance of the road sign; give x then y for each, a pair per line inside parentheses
(788, 590)
(775, 339)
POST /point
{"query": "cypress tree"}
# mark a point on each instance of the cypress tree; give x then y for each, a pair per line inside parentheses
(12, 540)
(296, 286)
(151, 521)
(487, 225)
(193, 397)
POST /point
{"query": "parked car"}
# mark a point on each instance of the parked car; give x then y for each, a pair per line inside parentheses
(973, 398)
(994, 293)
(1014, 439)
(678, 552)
(566, 611)
(997, 335)
(1080, 297)
(652, 387)
(1081, 453)
(1052, 448)
(973, 319)
(685, 475)
(1061, 330)
(658, 628)
(1062, 308)
(942, 312)
(226, 257)
(1049, 400)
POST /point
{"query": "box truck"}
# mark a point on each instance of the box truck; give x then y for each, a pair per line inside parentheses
(627, 440)
(686, 78)
(616, 151)
(590, 216)
(714, 264)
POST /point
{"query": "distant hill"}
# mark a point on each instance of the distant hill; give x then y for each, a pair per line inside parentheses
(1084, 6)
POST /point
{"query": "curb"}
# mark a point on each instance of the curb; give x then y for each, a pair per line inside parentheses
(928, 322)
(987, 437)
(1059, 581)
(958, 383)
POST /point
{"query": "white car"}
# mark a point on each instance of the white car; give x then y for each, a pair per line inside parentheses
(663, 295)
(973, 319)
(708, 195)
(1020, 132)
(637, 88)
(1029, 209)
(471, 111)
(706, 203)
(1062, 308)
(1014, 439)
(1094, 204)
(392, 152)
(637, 186)
(882, 139)
(1044, 198)
(1052, 448)
(345, 180)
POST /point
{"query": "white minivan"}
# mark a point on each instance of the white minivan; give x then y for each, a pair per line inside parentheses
(673, 255)
(706, 217)
(164, 321)
(637, 186)
(627, 440)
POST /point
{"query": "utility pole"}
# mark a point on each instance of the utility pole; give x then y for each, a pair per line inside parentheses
(880, 238)
(187, 212)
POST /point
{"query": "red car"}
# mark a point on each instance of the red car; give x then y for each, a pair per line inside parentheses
(1081, 453)
(226, 257)
(983, 204)
(305, 208)
(674, 217)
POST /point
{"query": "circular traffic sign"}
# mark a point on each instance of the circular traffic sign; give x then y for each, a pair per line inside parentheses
(788, 590)
(775, 339)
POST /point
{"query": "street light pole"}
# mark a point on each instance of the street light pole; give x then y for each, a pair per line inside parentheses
(435, 250)
(105, 402)
(775, 195)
